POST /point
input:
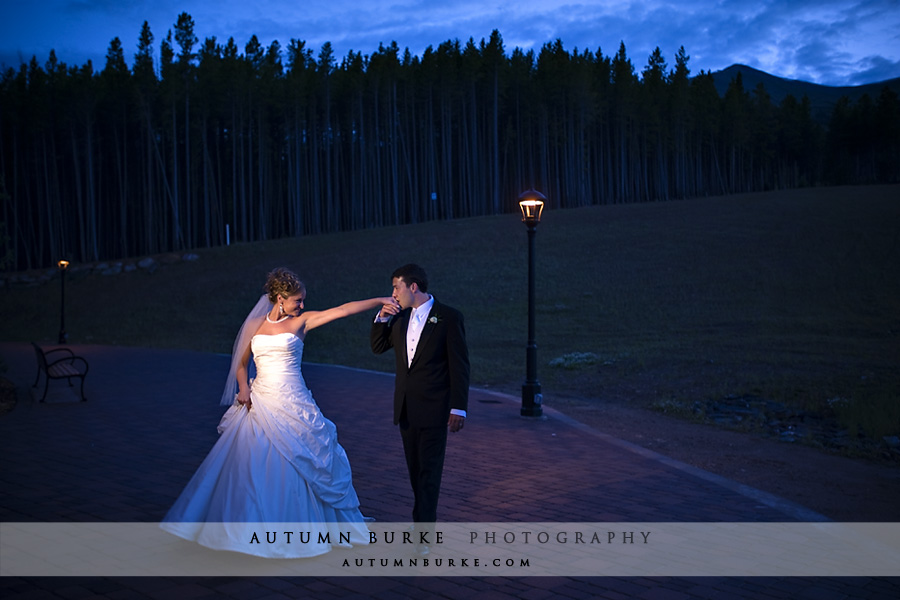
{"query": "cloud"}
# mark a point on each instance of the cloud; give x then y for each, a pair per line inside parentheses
(818, 41)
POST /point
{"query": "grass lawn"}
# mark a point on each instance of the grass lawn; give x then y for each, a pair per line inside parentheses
(790, 296)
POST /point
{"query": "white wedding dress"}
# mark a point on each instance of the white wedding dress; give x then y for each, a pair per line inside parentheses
(276, 467)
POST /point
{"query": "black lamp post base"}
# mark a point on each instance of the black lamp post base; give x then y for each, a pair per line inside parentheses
(532, 400)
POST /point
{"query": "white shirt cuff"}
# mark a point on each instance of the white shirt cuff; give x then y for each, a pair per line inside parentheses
(456, 411)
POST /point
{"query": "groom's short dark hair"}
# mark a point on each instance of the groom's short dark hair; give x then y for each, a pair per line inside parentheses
(411, 274)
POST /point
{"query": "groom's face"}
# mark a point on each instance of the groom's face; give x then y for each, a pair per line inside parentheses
(402, 294)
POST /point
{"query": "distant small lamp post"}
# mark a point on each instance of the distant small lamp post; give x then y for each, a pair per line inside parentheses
(63, 266)
(532, 204)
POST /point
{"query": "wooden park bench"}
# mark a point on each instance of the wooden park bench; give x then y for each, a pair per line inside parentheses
(59, 363)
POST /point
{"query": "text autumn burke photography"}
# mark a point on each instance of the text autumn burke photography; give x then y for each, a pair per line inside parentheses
(436, 538)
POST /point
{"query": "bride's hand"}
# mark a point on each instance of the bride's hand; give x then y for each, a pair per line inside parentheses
(243, 398)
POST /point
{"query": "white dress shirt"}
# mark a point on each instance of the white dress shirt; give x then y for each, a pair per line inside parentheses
(416, 325)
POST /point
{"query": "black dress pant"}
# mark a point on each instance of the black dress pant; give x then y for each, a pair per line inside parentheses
(425, 448)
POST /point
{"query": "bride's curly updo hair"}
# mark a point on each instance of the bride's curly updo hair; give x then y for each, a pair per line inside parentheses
(282, 282)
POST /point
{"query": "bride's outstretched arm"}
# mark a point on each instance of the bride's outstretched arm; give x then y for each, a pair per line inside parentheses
(318, 318)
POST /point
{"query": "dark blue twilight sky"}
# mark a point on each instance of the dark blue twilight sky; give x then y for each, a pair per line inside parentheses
(832, 42)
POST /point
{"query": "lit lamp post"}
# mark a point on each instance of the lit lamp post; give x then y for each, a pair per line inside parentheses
(63, 266)
(532, 204)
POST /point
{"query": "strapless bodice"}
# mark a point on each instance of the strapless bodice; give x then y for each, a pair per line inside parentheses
(278, 359)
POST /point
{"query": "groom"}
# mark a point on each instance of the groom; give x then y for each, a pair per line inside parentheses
(431, 390)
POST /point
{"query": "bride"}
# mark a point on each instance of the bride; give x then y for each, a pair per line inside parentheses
(277, 465)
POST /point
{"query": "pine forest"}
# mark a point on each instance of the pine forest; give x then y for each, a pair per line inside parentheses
(203, 140)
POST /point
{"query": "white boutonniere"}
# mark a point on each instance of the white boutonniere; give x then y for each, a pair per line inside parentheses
(433, 320)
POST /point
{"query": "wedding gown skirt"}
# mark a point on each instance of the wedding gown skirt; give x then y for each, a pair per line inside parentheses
(276, 467)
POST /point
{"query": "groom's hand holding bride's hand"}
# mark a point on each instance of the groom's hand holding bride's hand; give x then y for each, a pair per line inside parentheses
(389, 308)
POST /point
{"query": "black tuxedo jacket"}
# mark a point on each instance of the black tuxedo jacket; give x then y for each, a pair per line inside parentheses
(438, 378)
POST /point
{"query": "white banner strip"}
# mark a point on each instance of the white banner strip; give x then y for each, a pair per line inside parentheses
(465, 549)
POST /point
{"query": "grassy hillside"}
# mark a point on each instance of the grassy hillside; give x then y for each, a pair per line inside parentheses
(792, 296)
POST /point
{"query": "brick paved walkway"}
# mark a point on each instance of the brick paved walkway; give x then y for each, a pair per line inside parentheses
(150, 418)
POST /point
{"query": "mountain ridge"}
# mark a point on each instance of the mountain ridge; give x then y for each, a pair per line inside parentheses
(822, 97)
